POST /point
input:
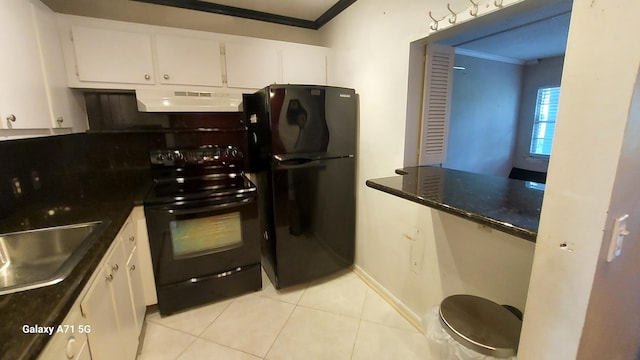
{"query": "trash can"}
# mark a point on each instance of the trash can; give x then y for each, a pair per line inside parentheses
(467, 327)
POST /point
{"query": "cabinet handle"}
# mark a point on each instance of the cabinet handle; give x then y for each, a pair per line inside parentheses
(60, 120)
(147, 77)
(133, 267)
(166, 76)
(11, 118)
(115, 268)
(71, 348)
(132, 238)
(109, 277)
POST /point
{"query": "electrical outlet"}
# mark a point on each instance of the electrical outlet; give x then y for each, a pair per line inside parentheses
(617, 237)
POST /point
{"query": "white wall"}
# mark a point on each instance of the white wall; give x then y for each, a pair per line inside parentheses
(601, 63)
(619, 313)
(484, 116)
(371, 41)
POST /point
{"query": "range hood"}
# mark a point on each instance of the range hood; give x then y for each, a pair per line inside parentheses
(187, 101)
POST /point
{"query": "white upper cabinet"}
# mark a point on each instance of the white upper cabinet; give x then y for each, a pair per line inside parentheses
(107, 54)
(113, 56)
(63, 103)
(304, 65)
(188, 61)
(251, 66)
(23, 98)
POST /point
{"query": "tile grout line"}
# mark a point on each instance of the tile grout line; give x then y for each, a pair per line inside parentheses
(295, 306)
(355, 340)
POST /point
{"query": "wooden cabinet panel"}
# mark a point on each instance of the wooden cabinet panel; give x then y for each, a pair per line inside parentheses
(188, 61)
(113, 56)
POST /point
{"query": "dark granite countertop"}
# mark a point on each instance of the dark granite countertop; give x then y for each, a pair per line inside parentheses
(500, 203)
(80, 197)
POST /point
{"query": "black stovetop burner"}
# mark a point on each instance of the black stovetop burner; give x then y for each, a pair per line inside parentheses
(200, 173)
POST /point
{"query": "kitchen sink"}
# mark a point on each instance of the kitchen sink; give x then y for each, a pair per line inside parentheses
(42, 257)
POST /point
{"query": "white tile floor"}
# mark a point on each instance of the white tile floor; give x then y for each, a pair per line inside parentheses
(334, 319)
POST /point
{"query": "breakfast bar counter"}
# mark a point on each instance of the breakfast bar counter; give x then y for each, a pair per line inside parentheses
(508, 205)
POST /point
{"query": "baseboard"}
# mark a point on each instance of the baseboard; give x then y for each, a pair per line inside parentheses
(400, 307)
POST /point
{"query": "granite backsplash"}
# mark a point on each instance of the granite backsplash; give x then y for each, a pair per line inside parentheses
(44, 166)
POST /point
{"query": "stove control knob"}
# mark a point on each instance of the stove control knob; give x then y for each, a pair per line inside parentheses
(159, 157)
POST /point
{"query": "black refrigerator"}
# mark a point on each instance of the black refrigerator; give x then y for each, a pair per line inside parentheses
(302, 144)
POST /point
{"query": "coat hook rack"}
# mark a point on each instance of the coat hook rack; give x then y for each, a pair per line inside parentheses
(454, 16)
(434, 24)
(474, 12)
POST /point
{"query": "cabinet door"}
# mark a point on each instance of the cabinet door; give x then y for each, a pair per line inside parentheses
(250, 66)
(136, 289)
(144, 256)
(69, 340)
(22, 88)
(63, 103)
(112, 56)
(305, 65)
(188, 61)
(122, 300)
(99, 310)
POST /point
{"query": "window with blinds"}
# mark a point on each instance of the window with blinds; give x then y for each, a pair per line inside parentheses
(544, 124)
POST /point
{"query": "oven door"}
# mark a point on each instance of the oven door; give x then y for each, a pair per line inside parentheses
(202, 238)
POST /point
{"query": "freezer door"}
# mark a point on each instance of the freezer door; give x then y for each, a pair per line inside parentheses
(312, 119)
(314, 219)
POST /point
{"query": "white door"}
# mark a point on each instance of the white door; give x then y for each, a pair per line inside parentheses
(113, 56)
(188, 61)
(250, 66)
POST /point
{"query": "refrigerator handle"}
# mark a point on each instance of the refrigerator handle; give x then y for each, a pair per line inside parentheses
(294, 161)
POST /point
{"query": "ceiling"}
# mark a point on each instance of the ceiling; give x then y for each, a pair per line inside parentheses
(538, 40)
(525, 37)
(310, 14)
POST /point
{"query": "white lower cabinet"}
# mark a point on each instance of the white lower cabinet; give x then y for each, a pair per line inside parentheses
(106, 320)
(99, 309)
(109, 311)
(69, 340)
(136, 289)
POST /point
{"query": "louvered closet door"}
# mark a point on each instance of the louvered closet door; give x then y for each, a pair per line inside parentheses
(436, 104)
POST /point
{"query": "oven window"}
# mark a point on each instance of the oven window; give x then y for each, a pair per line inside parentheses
(205, 235)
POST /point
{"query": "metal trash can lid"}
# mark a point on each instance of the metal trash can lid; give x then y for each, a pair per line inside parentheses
(481, 325)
